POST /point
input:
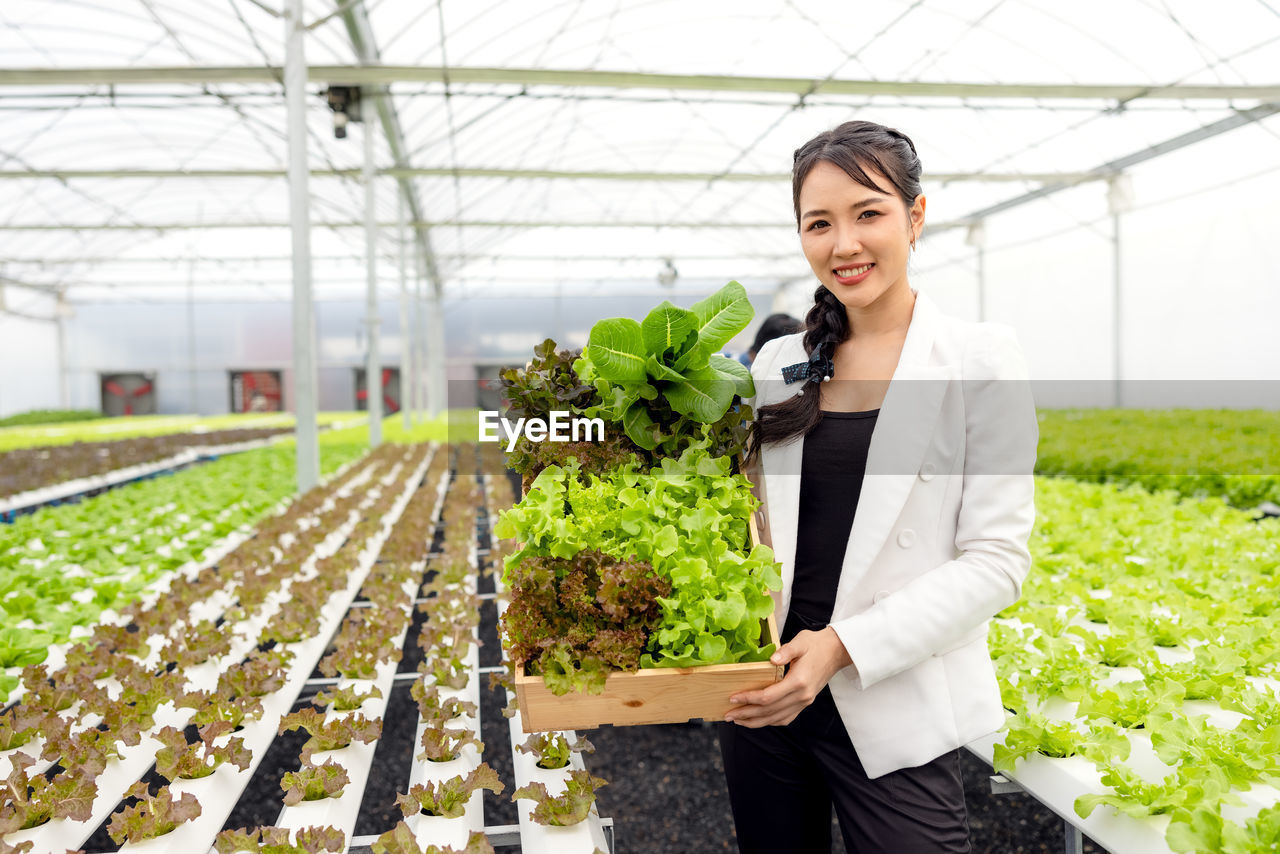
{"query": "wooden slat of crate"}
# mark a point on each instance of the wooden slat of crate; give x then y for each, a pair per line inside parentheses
(651, 696)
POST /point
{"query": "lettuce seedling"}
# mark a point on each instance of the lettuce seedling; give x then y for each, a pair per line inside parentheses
(449, 798)
(331, 734)
(27, 803)
(1030, 732)
(56, 695)
(19, 724)
(435, 710)
(553, 748)
(400, 840)
(358, 654)
(196, 644)
(275, 840)
(346, 699)
(448, 672)
(453, 637)
(260, 674)
(223, 705)
(563, 810)
(179, 760)
(86, 753)
(440, 744)
(151, 816)
(22, 647)
(313, 782)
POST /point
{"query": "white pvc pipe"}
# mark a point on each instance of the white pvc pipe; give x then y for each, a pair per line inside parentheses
(406, 328)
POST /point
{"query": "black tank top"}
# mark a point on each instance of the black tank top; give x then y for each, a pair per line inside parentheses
(834, 461)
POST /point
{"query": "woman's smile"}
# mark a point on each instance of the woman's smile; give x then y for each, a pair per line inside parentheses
(852, 275)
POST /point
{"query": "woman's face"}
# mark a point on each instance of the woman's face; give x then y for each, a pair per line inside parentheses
(856, 239)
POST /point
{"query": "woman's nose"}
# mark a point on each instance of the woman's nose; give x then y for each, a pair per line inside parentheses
(847, 243)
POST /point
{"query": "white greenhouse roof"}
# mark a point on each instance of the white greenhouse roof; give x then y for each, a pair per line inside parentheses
(549, 144)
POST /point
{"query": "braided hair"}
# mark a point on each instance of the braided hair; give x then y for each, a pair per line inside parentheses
(853, 146)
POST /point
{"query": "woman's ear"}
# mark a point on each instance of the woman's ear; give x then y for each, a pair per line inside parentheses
(917, 215)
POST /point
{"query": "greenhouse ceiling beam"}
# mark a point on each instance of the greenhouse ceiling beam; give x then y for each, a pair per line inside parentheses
(597, 175)
(365, 75)
(1115, 167)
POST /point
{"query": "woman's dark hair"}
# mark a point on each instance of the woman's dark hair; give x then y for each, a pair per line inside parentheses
(854, 147)
(775, 326)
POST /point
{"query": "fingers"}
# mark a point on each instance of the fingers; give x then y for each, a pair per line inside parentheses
(758, 716)
(789, 652)
(763, 697)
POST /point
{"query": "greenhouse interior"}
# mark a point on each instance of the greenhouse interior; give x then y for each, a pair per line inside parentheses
(250, 602)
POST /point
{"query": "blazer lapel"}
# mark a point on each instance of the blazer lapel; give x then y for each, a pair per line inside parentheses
(907, 419)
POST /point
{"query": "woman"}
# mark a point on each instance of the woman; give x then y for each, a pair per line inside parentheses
(893, 451)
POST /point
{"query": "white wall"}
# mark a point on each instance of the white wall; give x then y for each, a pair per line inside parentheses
(28, 354)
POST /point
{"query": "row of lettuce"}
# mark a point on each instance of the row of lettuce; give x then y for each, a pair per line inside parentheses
(53, 434)
(1147, 627)
(375, 518)
(62, 566)
(1194, 452)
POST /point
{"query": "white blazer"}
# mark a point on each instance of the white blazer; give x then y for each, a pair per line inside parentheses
(939, 540)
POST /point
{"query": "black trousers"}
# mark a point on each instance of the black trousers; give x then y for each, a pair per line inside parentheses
(783, 781)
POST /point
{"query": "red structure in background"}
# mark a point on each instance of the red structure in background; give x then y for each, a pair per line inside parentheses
(256, 391)
(390, 391)
(128, 394)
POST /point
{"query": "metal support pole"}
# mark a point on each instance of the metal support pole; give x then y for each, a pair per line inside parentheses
(436, 402)
(423, 336)
(1073, 838)
(1119, 200)
(419, 348)
(406, 328)
(373, 366)
(304, 324)
(191, 334)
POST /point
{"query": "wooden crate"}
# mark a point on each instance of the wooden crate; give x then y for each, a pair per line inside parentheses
(657, 695)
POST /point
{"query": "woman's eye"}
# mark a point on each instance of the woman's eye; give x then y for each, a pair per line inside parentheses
(816, 223)
(864, 213)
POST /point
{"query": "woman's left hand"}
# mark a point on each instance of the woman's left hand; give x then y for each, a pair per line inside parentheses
(814, 658)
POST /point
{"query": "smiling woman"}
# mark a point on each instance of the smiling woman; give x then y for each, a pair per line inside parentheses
(884, 636)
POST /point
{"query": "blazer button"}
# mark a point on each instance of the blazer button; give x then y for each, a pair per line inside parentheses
(906, 538)
(927, 471)
(880, 594)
